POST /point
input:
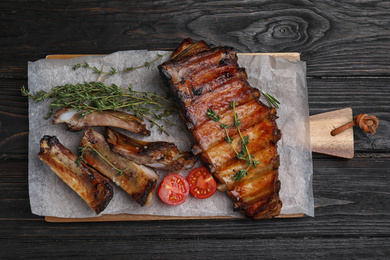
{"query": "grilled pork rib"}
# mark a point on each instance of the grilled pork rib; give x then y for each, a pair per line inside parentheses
(87, 182)
(201, 77)
(158, 155)
(137, 180)
(111, 118)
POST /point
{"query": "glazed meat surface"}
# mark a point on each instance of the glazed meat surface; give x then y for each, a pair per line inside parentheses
(158, 155)
(87, 182)
(137, 180)
(201, 77)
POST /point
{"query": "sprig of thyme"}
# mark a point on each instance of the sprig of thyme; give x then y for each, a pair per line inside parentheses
(96, 152)
(96, 96)
(272, 101)
(244, 153)
(114, 71)
(244, 142)
(212, 115)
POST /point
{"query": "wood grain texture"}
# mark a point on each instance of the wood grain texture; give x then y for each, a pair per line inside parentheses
(13, 119)
(346, 46)
(334, 38)
(365, 96)
(200, 247)
(352, 216)
(196, 240)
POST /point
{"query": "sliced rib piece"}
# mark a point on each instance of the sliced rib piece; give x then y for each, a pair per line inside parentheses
(119, 119)
(137, 180)
(158, 155)
(87, 182)
(201, 77)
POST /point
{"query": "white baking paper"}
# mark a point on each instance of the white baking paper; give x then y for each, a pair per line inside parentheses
(282, 78)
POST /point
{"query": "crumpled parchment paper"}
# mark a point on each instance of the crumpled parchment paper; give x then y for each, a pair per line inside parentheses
(282, 78)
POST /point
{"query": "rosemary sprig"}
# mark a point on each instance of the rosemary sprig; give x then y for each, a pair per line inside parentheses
(272, 101)
(96, 96)
(113, 71)
(244, 153)
(96, 152)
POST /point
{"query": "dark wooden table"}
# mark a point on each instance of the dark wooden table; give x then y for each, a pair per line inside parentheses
(346, 45)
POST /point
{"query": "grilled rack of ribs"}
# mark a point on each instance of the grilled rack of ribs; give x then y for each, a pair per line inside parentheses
(202, 77)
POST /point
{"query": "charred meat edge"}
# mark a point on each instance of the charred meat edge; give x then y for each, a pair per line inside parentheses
(137, 180)
(178, 74)
(92, 187)
(159, 155)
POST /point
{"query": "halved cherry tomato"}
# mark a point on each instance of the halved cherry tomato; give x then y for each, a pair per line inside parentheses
(174, 189)
(202, 183)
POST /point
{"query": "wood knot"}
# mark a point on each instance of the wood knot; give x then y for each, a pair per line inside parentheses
(286, 31)
(367, 123)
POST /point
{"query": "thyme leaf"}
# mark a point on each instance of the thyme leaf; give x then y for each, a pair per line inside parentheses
(94, 96)
(80, 158)
(272, 101)
(244, 153)
(211, 114)
(240, 174)
(113, 71)
(95, 154)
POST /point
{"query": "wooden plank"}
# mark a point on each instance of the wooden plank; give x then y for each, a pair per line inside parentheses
(199, 248)
(292, 237)
(357, 213)
(287, 55)
(69, 56)
(335, 39)
(138, 217)
(347, 40)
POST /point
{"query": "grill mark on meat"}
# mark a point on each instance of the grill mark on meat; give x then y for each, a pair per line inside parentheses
(201, 74)
(211, 133)
(138, 181)
(268, 157)
(222, 155)
(188, 48)
(92, 187)
(108, 118)
(210, 56)
(211, 78)
(220, 100)
(159, 155)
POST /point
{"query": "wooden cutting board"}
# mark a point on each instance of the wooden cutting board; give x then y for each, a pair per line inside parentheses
(322, 142)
